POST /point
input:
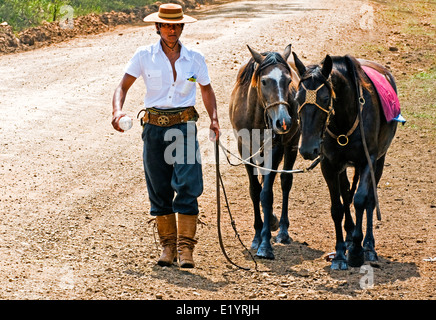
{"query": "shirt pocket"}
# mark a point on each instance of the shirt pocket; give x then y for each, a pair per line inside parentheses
(154, 79)
(189, 82)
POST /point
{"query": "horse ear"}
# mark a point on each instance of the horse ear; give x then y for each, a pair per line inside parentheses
(300, 66)
(287, 52)
(327, 66)
(256, 56)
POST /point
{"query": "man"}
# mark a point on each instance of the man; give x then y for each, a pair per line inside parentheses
(170, 72)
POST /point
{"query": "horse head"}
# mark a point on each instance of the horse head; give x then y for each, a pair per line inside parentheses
(315, 97)
(272, 79)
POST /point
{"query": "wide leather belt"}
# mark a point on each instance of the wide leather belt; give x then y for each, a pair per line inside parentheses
(168, 118)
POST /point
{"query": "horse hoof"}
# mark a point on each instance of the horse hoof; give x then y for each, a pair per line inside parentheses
(255, 244)
(339, 265)
(265, 253)
(371, 256)
(283, 238)
(356, 260)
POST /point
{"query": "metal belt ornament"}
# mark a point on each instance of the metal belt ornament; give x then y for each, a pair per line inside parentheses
(163, 120)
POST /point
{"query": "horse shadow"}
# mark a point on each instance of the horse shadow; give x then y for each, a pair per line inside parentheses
(286, 257)
(370, 275)
(351, 281)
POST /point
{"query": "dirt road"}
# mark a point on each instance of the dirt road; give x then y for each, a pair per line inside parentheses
(73, 201)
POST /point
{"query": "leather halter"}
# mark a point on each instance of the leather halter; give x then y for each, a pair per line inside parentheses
(311, 99)
(268, 106)
(311, 95)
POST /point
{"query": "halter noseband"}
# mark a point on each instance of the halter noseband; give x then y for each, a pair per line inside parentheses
(268, 106)
(311, 99)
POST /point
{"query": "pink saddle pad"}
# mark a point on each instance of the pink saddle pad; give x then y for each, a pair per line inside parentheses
(387, 95)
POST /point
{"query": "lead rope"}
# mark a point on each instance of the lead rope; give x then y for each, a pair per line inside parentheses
(361, 101)
(219, 182)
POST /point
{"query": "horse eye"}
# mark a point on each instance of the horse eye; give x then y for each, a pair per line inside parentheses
(263, 82)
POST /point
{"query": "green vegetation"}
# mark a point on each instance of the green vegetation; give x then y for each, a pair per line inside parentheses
(416, 19)
(21, 14)
(421, 113)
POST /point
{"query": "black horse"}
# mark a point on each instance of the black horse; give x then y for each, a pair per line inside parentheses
(331, 96)
(262, 103)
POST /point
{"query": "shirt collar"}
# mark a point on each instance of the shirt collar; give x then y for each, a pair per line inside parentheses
(183, 51)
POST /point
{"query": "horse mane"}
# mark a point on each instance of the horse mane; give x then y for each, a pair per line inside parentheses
(250, 72)
(343, 65)
(315, 68)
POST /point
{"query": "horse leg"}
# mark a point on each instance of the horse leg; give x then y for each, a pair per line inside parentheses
(331, 177)
(356, 255)
(255, 189)
(368, 242)
(286, 184)
(266, 199)
(347, 198)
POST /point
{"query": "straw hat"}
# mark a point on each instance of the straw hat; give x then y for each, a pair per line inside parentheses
(169, 13)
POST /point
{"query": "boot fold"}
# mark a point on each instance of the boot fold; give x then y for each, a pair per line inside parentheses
(187, 227)
(167, 230)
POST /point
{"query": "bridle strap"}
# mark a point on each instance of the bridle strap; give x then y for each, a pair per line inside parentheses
(342, 139)
(311, 99)
(268, 106)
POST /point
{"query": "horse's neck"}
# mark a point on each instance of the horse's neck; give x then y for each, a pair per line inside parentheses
(345, 104)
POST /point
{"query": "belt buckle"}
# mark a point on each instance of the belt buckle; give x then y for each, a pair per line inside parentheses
(163, 121)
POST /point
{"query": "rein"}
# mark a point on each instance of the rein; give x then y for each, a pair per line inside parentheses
(247, 162)
(361, 101)
(219, 183)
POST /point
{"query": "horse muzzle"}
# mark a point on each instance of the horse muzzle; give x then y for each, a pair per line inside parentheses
(282, 125)
(280, 120)
(310, 151)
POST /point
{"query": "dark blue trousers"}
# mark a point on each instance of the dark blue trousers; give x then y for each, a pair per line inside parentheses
(172, 167)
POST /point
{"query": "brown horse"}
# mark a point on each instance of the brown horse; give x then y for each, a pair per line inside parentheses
(262, 104)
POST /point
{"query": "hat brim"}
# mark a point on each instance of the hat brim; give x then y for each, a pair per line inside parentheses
(154, 17)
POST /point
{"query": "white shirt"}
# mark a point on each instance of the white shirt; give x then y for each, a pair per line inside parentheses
(152, 64)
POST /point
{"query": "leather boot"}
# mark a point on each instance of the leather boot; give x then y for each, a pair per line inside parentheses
(167, 230)
(187, 227)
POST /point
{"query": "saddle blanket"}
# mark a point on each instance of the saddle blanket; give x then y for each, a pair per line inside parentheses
(387, 95)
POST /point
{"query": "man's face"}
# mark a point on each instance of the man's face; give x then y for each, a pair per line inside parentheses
(170, 32)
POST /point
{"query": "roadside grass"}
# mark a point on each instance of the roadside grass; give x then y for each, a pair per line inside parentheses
(412, 31)
(419, 95)
(30, 13)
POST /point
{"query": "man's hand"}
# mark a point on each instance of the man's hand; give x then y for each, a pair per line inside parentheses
(116, 119)
(209, 101)
(118, 100)
(214, 134)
